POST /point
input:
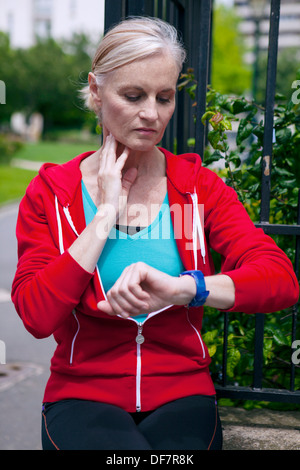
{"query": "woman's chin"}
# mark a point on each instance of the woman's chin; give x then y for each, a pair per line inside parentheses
(136, 144)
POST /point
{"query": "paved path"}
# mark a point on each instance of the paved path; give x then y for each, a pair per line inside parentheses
(23, 378)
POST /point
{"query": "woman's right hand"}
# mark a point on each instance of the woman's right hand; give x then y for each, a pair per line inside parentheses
(113, 186)
(113, 190)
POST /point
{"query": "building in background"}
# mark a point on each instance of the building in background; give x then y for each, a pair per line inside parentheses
(289, 26)
(26, 20)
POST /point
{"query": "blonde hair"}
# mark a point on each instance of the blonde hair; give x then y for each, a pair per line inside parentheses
(133, 39)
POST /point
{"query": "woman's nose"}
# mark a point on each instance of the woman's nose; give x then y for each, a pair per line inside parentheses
(149, 111)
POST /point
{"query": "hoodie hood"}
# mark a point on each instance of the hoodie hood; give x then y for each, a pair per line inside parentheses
(69, 173)
(182, 170)
(65, 179)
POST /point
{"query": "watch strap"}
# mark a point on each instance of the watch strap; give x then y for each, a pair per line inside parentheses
(201, 292)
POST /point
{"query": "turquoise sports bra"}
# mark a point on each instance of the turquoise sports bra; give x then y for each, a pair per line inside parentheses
(155, 245)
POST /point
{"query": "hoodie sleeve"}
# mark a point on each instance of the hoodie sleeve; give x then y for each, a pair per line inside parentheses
(47, 285)
(263, 275)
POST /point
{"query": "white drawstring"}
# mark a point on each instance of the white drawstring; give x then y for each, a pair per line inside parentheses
(60, 234)
(61, 249)
(69, 218)
(59, 225)
(198, 230)
(74, 337)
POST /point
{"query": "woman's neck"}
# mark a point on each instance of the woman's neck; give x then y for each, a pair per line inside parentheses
(149, 164)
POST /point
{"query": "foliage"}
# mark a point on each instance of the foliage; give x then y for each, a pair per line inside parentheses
(241, 158)
(8, 147)
(45, 78)
(287, 66)
(230, 73)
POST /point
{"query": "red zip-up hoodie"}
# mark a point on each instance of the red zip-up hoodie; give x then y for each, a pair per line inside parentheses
(97, 356)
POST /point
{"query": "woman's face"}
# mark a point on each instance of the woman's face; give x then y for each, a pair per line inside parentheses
(138, 100)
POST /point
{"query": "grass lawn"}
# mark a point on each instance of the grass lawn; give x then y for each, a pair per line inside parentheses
(55, 152)
(14, 181)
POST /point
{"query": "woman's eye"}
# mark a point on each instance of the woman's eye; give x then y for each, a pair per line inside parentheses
(132, 97)
(163, 100)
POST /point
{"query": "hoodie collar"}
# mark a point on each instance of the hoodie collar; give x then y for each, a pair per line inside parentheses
(182, 170)
(65, 179)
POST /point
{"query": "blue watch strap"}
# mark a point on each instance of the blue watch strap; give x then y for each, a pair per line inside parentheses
(201, 292)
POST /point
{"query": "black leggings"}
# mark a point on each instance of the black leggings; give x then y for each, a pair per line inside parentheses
(190, 423)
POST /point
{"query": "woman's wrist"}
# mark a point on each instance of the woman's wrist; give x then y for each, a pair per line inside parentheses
(221, 291)
(186, 290)
(104, 220)
(201, 292)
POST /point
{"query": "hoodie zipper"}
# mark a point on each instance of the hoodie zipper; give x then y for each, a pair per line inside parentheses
(139, 340)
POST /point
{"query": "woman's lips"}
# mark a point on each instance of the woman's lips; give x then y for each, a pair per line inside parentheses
(146, 131)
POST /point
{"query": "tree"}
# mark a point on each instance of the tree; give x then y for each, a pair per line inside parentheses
(46, 78)
(230, 73)
(8, 75)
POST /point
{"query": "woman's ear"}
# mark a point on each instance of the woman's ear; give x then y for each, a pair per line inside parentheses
(94, 90)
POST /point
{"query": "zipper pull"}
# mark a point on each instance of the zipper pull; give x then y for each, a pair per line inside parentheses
(140, 338)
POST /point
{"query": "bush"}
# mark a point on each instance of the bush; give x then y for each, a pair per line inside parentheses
(8, 147)
(242, 160)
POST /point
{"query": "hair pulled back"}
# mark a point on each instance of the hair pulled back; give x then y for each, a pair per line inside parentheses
(133, 39)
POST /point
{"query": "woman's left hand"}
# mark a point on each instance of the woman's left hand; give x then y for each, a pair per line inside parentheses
(142, 289)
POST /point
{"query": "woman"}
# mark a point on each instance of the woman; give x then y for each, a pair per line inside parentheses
(114, 260)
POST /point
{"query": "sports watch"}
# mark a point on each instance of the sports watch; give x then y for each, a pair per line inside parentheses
(201, 292)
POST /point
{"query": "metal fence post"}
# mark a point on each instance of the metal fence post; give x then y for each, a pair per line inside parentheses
(269, 111)
(203, 72)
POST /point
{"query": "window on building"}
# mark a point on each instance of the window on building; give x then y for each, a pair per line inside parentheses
(42, 18)
(43, 8)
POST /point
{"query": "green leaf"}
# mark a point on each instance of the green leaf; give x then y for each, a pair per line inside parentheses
(244, 131)
(210, 336)
(267, 349)
(233, 358)
(241, 106)
(258, 131)
(212, 349)
(280, 97)
(206, 116)
(214, 137)
(278, 337)
(214, 157)
(226, 123)
(283, 136)
(283, 172)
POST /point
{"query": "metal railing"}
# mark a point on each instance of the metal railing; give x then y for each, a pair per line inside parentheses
(193, 19)
(257, 391)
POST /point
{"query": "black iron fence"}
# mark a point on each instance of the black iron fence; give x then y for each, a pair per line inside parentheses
(193, 20)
